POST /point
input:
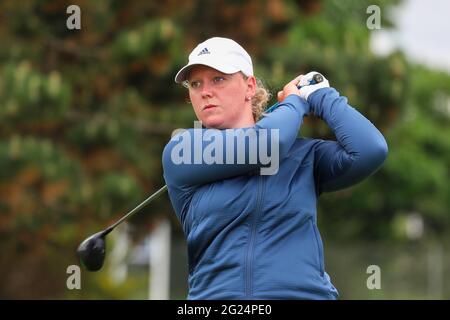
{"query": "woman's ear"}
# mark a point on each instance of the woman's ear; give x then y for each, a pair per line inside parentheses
(251, 87)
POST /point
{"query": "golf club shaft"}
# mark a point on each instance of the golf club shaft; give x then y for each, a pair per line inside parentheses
(152, 197)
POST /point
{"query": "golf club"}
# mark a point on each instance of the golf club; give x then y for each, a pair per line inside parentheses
(92, 250)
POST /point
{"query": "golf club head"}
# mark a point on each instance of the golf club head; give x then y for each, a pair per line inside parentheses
(92, 251)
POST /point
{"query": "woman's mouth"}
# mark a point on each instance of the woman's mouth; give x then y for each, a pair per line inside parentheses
(209, 106)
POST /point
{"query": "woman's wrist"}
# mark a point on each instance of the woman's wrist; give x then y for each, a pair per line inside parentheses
(300, 104)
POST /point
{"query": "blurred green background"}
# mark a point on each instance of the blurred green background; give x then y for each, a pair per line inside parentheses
(85, 114)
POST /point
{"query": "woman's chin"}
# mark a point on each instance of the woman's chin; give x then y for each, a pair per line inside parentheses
(213, 122)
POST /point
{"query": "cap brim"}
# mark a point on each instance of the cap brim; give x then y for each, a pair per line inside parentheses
(224, 68)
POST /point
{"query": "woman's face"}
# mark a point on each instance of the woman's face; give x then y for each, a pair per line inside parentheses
(221, 100)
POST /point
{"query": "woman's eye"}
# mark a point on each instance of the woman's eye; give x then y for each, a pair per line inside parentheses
(218, 79)
(195, 84)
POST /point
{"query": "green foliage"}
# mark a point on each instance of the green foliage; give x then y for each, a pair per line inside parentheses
(29, 94)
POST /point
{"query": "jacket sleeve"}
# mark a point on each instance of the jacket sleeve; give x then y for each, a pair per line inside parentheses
(360, 148)
(184, 162)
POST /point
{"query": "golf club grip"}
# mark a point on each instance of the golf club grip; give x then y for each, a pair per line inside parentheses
(315, 79)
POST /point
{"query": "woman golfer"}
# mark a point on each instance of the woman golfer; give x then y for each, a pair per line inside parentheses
(244, 186)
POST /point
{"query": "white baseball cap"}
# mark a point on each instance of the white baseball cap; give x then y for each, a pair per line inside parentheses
(222, 54)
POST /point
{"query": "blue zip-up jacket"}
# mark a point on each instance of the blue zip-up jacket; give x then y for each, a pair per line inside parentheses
(253, 236)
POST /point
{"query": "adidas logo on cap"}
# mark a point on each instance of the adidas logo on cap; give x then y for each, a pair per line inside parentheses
(204, 51)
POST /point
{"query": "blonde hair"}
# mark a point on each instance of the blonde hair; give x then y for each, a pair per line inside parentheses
(260, 99)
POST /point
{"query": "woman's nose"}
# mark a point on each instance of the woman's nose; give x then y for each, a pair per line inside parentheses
(206, 91)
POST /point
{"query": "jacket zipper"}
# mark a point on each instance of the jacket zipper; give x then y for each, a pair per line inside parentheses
(319, 247)
(249, 258)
